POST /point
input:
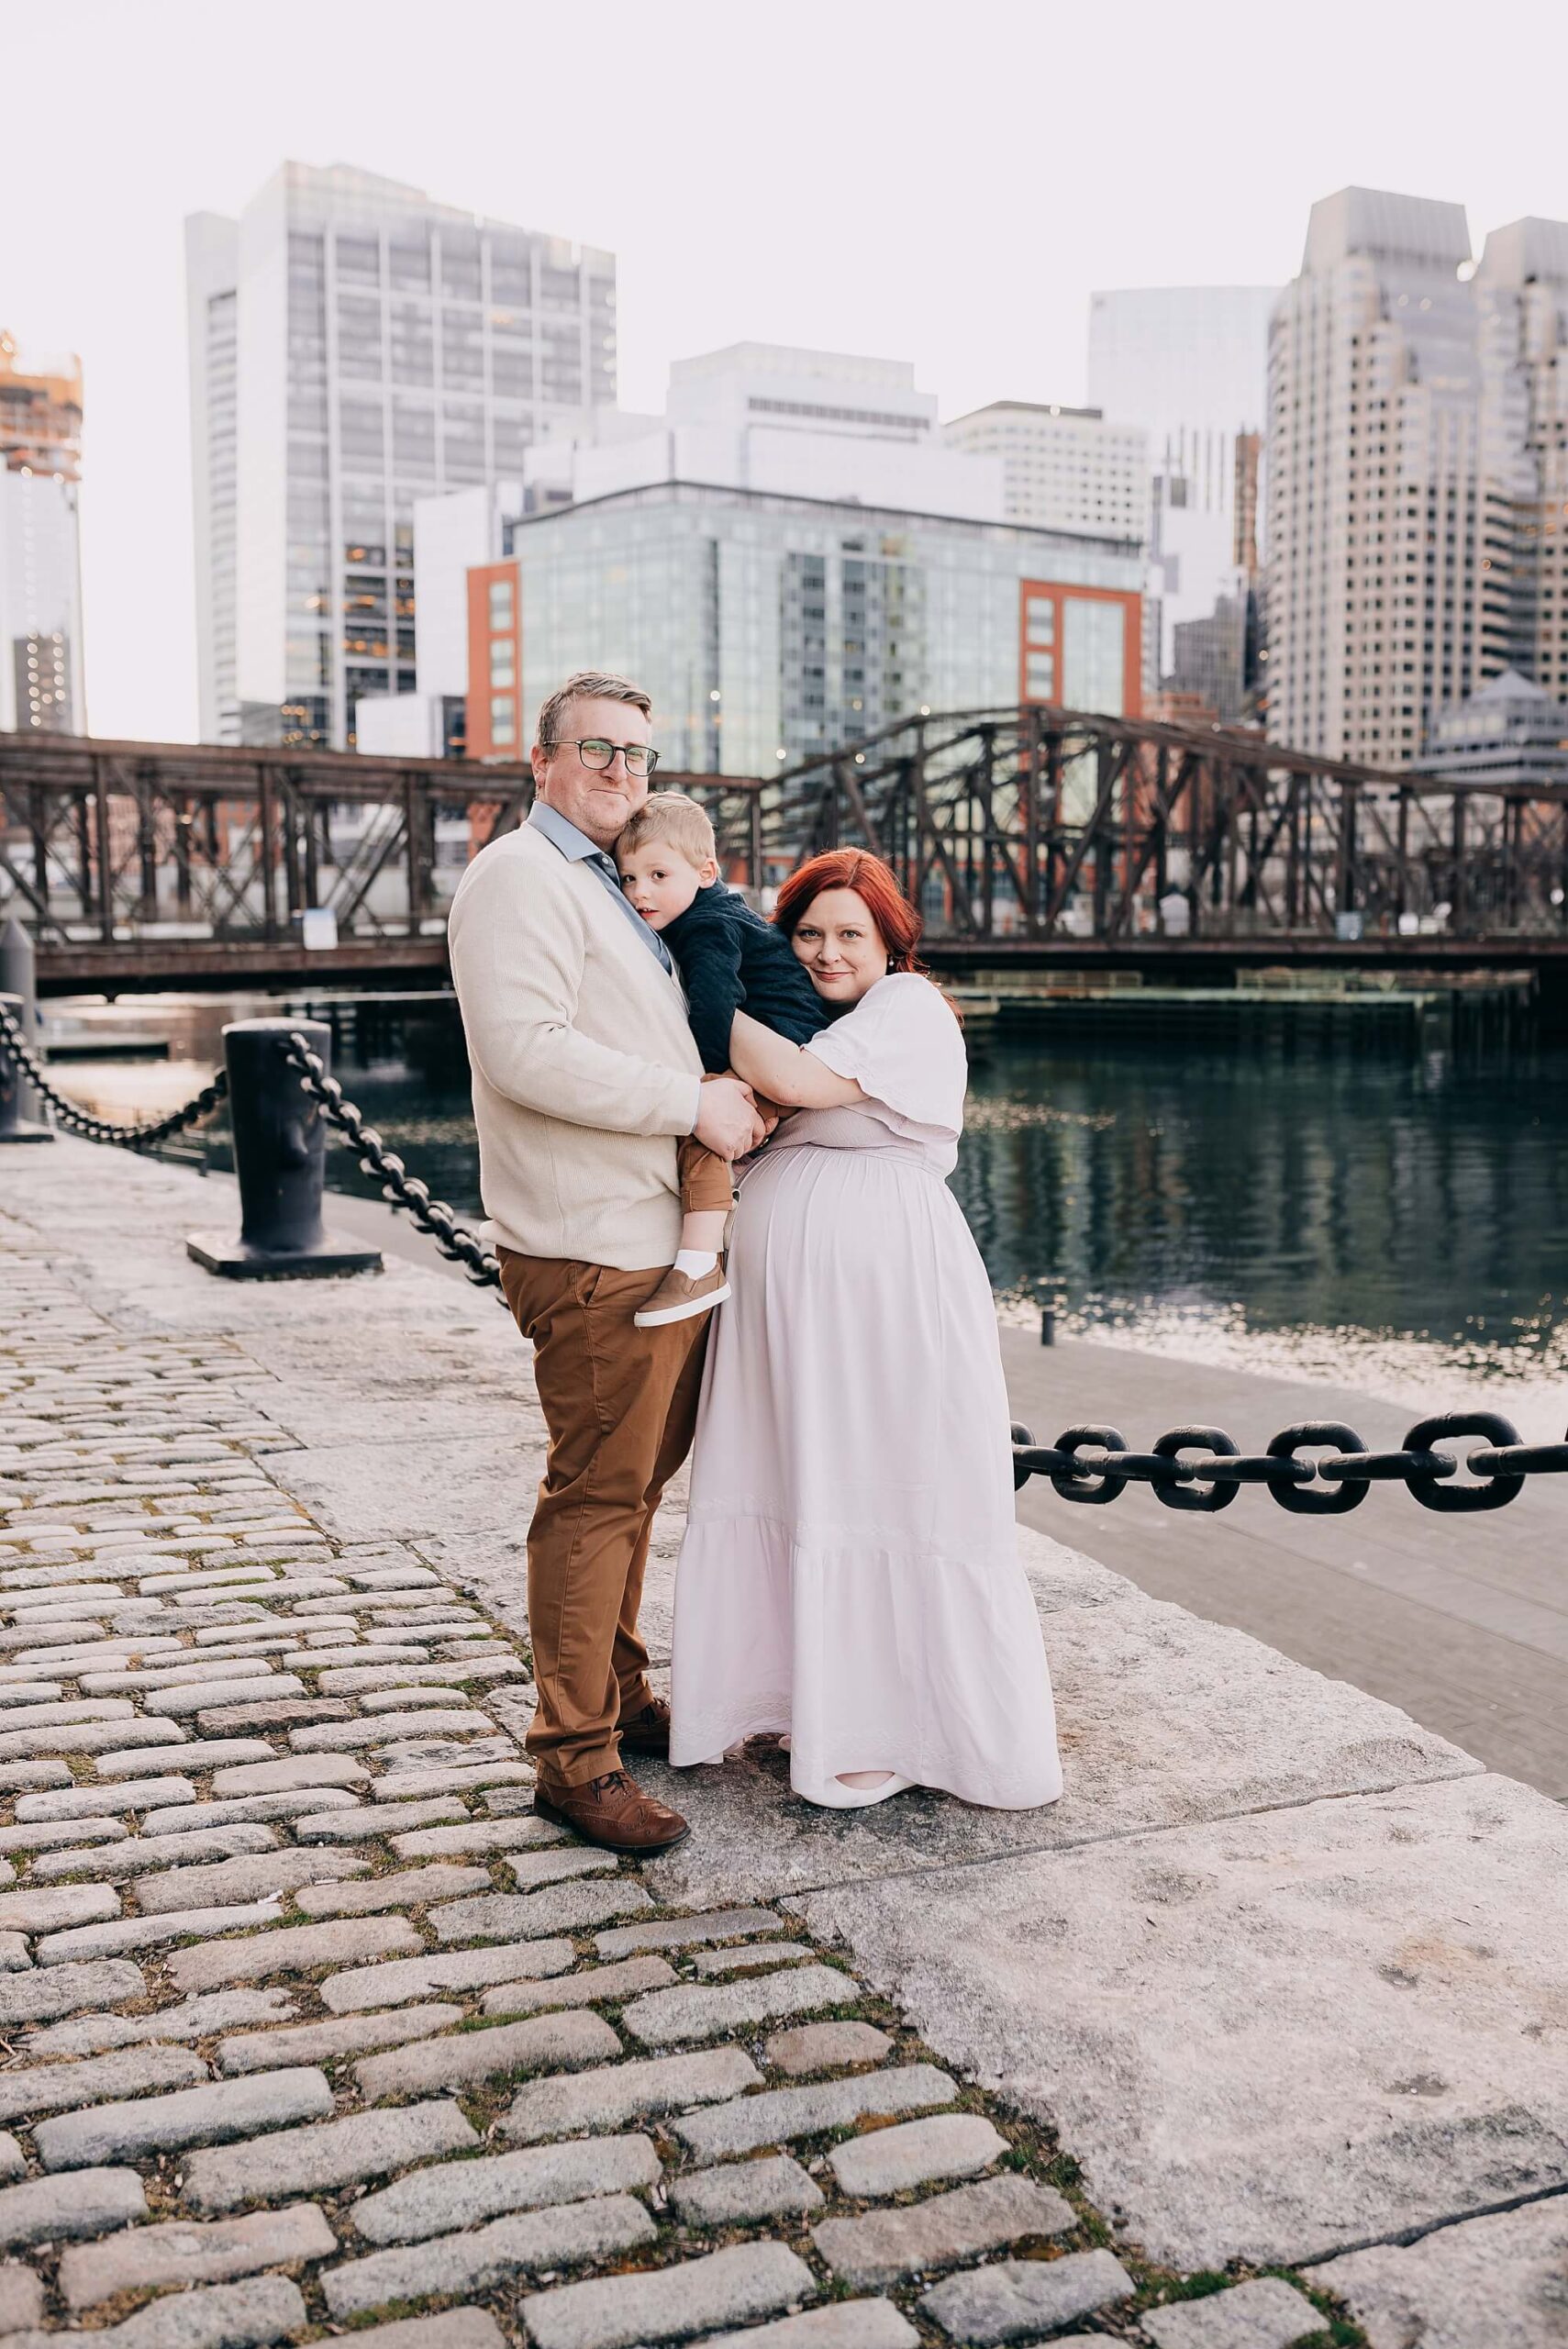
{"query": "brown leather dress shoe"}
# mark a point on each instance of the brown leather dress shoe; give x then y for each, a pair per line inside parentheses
(647, 1732)
(613, 1811)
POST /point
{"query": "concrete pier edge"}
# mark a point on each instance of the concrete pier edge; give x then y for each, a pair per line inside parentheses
(1272, 2000)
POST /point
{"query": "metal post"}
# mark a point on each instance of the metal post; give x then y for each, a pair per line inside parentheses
(280, 1155)
(18, 977)
(14, 1127)
(266, 845)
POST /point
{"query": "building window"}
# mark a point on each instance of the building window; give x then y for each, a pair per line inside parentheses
(1041, 620)
(1040, 676)
(503, 662)
(500, 604)
(503, 719)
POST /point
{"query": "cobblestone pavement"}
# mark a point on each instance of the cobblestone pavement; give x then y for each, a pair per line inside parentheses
(310, 2023)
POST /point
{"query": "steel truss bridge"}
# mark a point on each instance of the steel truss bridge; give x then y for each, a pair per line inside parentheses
(1027, 835)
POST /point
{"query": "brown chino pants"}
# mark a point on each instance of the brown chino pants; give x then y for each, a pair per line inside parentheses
(620, 1404)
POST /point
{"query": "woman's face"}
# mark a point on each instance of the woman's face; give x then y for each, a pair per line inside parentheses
(840, 945)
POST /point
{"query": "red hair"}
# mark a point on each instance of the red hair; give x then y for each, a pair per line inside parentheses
(898, 923)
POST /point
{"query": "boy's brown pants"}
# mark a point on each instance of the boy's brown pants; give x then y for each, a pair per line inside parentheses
(620, 1404)
(707, 1181)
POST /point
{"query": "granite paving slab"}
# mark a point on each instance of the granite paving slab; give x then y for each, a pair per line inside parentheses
(1131, 1679)
(1491, 2283)
(1377, 2043)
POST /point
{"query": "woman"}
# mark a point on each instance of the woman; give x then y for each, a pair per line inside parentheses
(850, 1574)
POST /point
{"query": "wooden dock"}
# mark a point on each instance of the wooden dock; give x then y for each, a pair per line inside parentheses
(1022, 1005)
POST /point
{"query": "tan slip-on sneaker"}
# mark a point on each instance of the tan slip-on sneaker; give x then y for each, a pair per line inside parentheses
(678, 1296)
(613, 1812)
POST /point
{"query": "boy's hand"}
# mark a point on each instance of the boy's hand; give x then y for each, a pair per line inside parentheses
(769, 1111)
(728, 1121)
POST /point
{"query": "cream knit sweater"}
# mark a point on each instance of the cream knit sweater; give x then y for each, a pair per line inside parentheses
(585, 1071)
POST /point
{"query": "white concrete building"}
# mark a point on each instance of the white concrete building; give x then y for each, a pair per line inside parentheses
(811, 424)
(43, 688)
(355, 346)
(41, 685)
(1063, 468)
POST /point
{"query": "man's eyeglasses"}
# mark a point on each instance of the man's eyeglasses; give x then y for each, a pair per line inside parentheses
(640, 758)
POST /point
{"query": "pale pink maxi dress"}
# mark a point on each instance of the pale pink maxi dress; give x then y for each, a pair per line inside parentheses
(849, 1572)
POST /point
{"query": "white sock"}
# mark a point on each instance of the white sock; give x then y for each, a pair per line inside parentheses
(696, 1262)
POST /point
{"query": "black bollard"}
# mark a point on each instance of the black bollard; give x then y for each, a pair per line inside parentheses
(14, 1090)
(280, 1157)
(1047, 1325)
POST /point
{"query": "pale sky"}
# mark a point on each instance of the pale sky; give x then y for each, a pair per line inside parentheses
(945, 183)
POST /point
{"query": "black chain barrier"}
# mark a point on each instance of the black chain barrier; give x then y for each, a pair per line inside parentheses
(15, 1049)
(1093, 1465)
(397, 1186)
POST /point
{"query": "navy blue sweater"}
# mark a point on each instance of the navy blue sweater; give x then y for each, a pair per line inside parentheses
(731, 960)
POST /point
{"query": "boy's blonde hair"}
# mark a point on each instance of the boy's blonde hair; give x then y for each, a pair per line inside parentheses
(670, 815)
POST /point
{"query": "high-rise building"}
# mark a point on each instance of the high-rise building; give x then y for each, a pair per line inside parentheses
(1182, 359)
(1063, 468)
(1522, 284)
(41, 686)
(355, 346)
(1189, 364)
(1418, 469)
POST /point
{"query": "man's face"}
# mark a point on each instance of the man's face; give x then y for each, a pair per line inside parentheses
(599, 802)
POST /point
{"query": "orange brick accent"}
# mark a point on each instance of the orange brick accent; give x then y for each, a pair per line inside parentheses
(487, 698)
(1058, 591)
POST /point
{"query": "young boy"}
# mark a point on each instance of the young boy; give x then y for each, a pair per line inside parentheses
(728, 957)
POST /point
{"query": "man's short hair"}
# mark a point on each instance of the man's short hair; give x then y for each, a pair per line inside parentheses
(588, 684)
(670, 815)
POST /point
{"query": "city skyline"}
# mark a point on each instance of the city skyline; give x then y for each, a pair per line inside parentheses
(678, 120)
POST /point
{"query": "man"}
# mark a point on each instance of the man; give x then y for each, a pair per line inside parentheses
(585, 1077)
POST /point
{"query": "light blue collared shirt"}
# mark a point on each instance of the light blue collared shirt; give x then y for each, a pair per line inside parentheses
(578, 849)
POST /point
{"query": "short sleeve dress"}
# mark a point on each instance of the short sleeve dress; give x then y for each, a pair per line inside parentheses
(850, 1574)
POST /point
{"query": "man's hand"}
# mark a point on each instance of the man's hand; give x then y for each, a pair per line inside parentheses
(726, 1117)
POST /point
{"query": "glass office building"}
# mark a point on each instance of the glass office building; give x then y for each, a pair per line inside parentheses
(769, 627)
(355, 346)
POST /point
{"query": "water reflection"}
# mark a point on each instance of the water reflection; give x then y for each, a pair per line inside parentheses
(1422, 1193)
(1186, 1191)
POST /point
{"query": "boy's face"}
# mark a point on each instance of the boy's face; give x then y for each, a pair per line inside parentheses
(659, 882)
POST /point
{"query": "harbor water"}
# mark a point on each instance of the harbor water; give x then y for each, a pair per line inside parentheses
(1377, 1205)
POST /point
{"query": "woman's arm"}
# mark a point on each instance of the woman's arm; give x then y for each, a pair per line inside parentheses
(789, 1074)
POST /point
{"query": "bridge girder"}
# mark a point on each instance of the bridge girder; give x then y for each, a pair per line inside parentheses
(1026, 828)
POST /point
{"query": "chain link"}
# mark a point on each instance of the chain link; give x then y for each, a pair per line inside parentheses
(1093, 1465)
(397, 1186)
(17, 1054)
